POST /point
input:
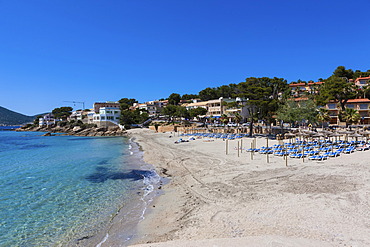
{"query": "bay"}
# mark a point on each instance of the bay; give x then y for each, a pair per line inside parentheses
(56, 190)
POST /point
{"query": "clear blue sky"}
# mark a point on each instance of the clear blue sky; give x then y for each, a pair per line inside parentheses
(93, 50)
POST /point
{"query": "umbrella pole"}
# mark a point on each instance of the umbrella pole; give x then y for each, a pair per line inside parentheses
(238, 149)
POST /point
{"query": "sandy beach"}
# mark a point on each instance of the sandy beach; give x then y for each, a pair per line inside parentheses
(214, 199)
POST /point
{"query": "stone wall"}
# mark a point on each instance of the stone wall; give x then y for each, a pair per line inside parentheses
(168, 128)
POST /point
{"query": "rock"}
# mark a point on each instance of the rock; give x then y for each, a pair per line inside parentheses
(101, 129)
(76, 129)
(113, 128)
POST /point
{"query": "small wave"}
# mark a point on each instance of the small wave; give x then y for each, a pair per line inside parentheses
(105, 239)
(129, 146)
(150, 181)
(151, 178)
(131, 153)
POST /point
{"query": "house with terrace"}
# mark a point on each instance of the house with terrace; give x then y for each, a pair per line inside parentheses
(105, 114)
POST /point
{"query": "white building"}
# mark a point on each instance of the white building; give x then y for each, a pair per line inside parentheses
(196, 104)
(216, 108)
(153, 108)
(47, 120)
(76, 115)
(107, 116)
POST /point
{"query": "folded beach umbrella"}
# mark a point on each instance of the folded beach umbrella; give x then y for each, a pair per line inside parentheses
(325, 132)
(356, 135)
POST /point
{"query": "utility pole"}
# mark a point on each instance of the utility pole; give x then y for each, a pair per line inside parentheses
(77, 102)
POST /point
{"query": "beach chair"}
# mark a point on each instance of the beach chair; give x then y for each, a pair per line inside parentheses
(313, 157)
(349, 150)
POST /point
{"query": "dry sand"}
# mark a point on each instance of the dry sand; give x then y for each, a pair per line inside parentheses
(214, 199)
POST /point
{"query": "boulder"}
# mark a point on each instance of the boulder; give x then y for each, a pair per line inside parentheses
(113, 128)
(76, 129)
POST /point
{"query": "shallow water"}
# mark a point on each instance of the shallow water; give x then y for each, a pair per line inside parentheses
(57, 190)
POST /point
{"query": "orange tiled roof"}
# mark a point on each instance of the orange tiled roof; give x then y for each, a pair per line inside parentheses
(362, 78)
(316, 83)
(303, 84)
(358, 101)
(297, 84)
(300, 99)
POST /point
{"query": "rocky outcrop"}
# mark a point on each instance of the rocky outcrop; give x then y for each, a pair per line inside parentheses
(77, 130)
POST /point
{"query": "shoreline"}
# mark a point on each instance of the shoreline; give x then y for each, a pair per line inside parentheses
(113, 131)
(214, 198)
(122, 228)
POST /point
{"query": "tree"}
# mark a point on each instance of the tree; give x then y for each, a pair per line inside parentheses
(189, 96)
(366, 91)
(174, 99)
(263, 97)
(323, 116)
(258, 98)
(196, 112)
(37, 119)
(237, 117)
(336, 89)
(175, 111)
(224, 119)
(293, 112)
(341, 71)
(359, 73)
(181, 112)
(170, 111)
(208, 94)
(129, 117)
(224, 91)
(62, 112)
(126, 103)
(350, 116)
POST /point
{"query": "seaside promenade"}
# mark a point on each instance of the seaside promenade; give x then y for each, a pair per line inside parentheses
(219, 199)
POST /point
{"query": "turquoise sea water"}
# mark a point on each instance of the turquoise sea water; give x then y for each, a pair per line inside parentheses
(55, 190)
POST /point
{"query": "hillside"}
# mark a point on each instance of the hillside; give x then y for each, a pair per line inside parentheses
(8, 117)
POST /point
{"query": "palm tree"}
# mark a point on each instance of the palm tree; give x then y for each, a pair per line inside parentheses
(224, 119)
(350, 116)
(323, 116)
(238, 117)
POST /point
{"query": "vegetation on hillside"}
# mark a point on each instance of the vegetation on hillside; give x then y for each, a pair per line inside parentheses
(8, 117)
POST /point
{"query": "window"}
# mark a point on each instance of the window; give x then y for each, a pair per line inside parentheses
(352, 106)
(102, 118)
(332, 106)
(364, 106)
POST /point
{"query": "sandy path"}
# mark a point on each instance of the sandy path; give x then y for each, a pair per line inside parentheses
(216, 199)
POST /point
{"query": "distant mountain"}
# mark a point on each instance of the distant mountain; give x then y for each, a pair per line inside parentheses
(8, 117)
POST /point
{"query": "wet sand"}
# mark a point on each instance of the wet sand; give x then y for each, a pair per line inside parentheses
(214, 199)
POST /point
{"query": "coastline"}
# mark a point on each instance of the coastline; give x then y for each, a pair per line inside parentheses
(75, 130)
(122, 228)
(225, 200)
